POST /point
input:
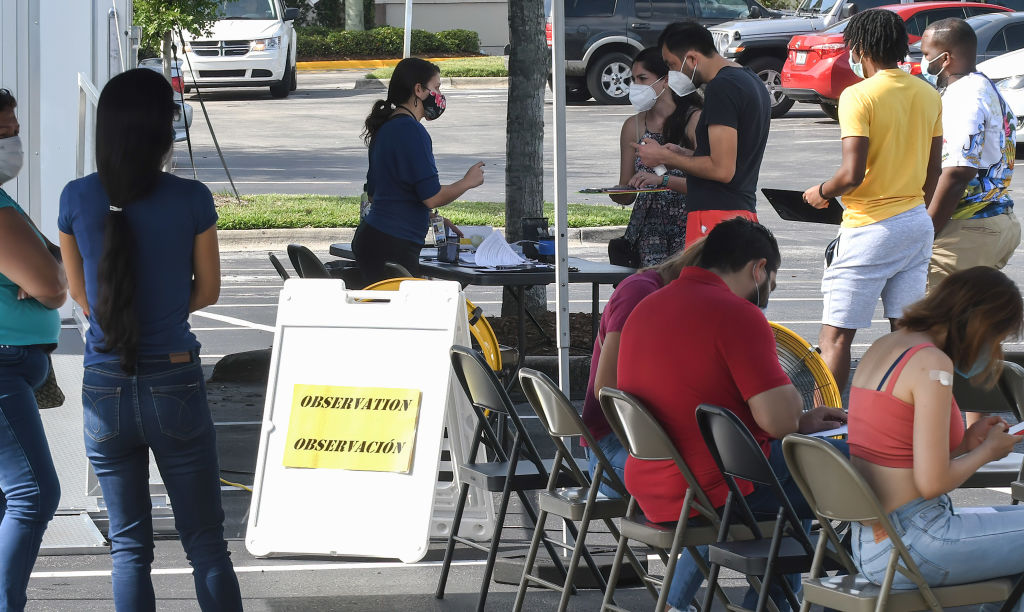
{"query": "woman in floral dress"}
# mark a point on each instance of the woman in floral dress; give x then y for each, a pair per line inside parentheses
(657, 227)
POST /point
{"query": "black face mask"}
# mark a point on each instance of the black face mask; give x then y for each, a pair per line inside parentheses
(434, 105)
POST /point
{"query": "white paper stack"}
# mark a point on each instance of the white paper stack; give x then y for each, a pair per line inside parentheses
(494, 251)
(838, 431)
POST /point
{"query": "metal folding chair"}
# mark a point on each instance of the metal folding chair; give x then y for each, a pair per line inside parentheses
(306, 263)
(581, 503)
(788, 548)
(645, 440)
(516, 465)
(274, 261)
(837, 492)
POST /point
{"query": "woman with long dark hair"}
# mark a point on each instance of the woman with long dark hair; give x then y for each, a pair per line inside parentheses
(32, 287)
(140, 247)
(657, 226)
(402, 179)
(908, 440)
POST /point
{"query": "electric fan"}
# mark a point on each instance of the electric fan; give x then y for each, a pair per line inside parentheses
(806, 369)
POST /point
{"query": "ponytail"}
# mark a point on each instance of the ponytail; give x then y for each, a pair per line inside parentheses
(115, 310)
(379, 114)
(133, 134)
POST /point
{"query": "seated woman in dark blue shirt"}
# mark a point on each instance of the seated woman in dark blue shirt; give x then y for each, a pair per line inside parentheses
(402, 179)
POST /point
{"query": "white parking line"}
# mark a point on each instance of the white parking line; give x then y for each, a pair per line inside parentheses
(172, 571)
(234, 321)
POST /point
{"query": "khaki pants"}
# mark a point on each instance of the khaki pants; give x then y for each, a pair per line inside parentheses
(973, 242)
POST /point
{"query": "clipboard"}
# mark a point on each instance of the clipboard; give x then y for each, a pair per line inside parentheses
(617, 190)
(791, 206)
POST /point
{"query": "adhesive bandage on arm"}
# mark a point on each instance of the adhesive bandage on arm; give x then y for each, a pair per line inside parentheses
(945, 378)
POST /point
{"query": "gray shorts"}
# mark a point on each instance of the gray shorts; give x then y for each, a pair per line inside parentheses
(887, 259)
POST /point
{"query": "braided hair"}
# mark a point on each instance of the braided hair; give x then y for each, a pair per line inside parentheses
(878, 34)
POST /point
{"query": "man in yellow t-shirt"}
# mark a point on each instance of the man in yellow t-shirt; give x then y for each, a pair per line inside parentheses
(891, 126)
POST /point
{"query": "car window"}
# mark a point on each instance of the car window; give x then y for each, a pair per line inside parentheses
(997, 44)
(589, 8)
(668, 9)
(249, 9)
(816, 6)
(724, 9)
(1014, 37)
(920, 22)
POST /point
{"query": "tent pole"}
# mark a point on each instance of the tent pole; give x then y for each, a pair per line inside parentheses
(561, 204)
(407, 37)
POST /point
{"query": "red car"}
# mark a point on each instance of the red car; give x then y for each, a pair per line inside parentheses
(818, 69)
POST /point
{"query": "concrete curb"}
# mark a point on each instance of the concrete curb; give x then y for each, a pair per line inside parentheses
(446, 82)
(321, 239)
(361, 64)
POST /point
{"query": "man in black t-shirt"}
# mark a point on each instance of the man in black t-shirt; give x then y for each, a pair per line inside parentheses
(731, 134)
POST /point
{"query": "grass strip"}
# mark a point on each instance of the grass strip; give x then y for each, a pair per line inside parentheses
(280, 211)
(464, 67)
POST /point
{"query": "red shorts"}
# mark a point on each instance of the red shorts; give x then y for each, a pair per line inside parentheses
(700, 222)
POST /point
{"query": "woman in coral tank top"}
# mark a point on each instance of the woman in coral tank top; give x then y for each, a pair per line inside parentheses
(907, 435)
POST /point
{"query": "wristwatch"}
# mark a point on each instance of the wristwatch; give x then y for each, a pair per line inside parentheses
(664, 180)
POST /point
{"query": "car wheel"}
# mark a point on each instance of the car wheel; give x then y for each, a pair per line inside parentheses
(608, 78)
(770, 71)
(282, 88)
(831, 110)
(295, 78)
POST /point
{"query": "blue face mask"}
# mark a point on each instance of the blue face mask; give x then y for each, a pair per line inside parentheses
(857, 67)
(979, 365)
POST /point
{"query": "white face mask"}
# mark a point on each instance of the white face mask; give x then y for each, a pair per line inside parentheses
(929, 71)
(857, 67)
(11, 158)
(681, 84)
(642, 97)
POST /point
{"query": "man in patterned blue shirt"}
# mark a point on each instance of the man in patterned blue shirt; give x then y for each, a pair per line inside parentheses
(972, 210)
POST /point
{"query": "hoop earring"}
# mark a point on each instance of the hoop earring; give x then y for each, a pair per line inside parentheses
(415, 102)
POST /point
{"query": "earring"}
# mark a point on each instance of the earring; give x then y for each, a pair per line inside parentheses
(415, 102)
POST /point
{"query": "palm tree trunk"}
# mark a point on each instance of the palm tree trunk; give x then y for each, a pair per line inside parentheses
(524, 131)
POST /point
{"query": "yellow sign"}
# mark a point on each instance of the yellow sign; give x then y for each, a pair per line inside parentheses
(352, 428)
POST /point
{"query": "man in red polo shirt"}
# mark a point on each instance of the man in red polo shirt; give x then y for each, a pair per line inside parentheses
(703, 339)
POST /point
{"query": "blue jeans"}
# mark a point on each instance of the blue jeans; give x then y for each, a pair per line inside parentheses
(163, 407)
(27, 476)
(949, 547)
(764, 505)
(616, 454)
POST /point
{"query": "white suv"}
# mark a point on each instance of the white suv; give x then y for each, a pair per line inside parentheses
(251, 45)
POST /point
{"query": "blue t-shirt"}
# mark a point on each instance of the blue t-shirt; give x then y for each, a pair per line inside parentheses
(23, 322)
(402, 175)
(164, 225)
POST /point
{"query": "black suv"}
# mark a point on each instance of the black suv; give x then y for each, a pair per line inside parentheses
(603, 36)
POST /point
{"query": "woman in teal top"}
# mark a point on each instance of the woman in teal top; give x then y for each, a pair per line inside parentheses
(32, 287)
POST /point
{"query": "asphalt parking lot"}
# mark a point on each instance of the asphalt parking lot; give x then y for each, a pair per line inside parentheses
(309, 143)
